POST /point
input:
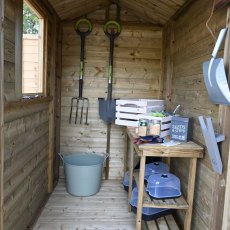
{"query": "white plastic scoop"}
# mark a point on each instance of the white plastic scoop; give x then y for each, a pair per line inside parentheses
(214, 75)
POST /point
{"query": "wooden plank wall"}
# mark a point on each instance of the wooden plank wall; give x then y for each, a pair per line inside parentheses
(192, 45)
(28, 130)
(57, 112)
(25, 175)
(137, 70)
(9, 50)
(226, 216)
(225, 146)
(1, 111)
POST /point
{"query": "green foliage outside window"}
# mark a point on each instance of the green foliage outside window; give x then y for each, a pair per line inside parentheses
(30, 21)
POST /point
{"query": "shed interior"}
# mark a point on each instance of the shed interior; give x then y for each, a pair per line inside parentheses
(158, 55)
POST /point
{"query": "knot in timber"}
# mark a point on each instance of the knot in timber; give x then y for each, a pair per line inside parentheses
(162, 152)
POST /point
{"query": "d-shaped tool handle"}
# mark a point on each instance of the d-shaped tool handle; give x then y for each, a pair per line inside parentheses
(219, 42)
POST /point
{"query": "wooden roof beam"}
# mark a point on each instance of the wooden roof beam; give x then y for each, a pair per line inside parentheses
(221, 4)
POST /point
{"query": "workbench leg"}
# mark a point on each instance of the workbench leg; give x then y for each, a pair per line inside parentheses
(190, 193)
(130, 175)
(140, 193)
(167, 160)
(126, 151)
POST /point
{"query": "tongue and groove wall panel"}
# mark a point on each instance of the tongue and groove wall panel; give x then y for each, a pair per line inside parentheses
(137, 70)
(25, 174)
(27, 131)
(187, 44)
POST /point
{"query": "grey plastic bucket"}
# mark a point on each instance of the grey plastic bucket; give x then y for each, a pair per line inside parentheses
(83, 173)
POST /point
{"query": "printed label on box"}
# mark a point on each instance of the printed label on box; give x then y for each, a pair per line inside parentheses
(178, 128)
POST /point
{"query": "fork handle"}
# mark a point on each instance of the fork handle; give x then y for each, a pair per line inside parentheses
(80, 87)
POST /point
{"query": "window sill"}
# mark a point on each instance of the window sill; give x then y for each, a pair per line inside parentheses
(27, 102)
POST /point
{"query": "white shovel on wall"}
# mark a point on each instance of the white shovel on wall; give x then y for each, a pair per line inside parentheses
(215, 77)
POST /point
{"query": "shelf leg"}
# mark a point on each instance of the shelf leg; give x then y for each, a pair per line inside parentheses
(190, 192)
(125, 151)
(140, 193)
(130, 175)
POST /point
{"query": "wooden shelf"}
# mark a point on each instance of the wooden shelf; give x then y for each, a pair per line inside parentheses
(175, 203)
(166, 223)
(188, 150)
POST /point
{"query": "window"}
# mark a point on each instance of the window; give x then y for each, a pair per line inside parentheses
(32, 50)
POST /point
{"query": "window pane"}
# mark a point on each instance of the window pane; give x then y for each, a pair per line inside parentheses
(32, 69)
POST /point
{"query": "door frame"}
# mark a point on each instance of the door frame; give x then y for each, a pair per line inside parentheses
(2, 8)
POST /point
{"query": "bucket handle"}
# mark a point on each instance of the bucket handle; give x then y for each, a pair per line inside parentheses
(107, 155)
(61, 156)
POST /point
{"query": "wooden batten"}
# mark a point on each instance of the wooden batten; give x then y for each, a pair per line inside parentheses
(226, 214)
(181, 10)
(167, 65)
(2, 7)
(18, 49)
(57, 104)
(43, 9)
(221, 3)
(51, 106)
(221, 186)
(9, 50)
(220, 181)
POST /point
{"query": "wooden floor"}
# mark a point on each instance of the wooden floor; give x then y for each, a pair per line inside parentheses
(105, 210)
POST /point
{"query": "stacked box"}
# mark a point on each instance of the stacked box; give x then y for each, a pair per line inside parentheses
(165, 123)
(181, 128)
(127, 111)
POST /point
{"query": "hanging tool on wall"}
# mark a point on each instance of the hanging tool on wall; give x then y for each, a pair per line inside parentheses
(83, 27)
(107, 107)
(215, 77)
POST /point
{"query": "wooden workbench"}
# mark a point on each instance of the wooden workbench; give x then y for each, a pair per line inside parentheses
(189, 150)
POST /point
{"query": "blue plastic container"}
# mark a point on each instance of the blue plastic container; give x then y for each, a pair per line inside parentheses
(155, 168)
(148, 214)
(126, 181)
(162, 186)
(83, 173)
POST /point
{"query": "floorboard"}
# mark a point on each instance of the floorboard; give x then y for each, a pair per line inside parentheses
(104, 211)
